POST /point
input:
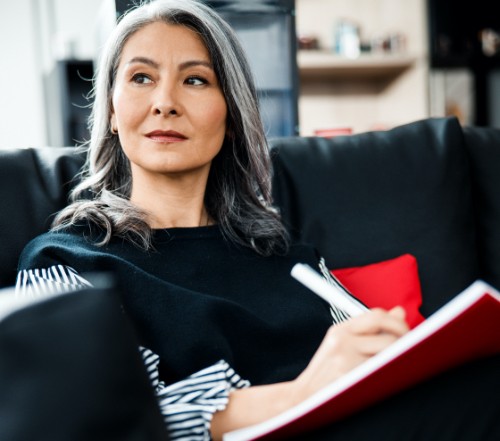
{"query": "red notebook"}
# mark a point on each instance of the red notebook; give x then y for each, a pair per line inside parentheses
(466, 328)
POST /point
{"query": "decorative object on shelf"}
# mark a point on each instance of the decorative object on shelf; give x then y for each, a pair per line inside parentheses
(349, 42)
(347, 39)
(490, 42)
(307, 42)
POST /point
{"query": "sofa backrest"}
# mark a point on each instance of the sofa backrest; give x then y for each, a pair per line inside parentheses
(427, 188)
(370, 197)
(34, 185)
(483, 148)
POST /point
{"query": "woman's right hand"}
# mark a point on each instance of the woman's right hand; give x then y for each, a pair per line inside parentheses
(347, 345)
(344, 346)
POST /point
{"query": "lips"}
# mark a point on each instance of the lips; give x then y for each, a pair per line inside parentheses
(166, 136)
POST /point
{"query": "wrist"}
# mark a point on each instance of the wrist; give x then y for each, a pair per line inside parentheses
(253, 405)
(300, 389)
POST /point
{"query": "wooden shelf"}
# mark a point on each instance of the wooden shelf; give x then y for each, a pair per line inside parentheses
(325, 65)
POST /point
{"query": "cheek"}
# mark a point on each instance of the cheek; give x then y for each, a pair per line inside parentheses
(215, 117)
(126, 110)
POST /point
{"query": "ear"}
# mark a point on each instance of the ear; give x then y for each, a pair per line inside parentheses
(112, 122)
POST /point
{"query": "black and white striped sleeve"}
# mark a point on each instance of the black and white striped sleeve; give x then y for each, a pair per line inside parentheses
(43, 282)
(188, 405)
(338, 315)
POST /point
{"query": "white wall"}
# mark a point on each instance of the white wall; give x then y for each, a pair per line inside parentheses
(21, 109)
(33, 33)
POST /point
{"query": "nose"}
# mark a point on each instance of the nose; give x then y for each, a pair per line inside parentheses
(166, 101)
(160, 110)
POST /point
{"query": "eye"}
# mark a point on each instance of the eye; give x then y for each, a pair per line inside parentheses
(196, 81)
(141, 78)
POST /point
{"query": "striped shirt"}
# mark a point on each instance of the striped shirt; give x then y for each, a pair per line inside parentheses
(188, 405)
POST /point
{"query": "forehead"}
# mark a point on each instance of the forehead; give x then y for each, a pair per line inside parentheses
(162, 40)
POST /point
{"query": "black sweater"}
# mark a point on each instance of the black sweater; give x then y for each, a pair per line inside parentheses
(196, 299)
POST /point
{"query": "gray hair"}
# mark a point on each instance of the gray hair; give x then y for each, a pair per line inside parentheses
(238, 195)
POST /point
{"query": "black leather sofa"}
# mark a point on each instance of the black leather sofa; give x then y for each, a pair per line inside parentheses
(429, 188)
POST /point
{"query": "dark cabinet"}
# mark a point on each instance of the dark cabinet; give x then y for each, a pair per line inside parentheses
(266, 29)
(67, 89)
(466, 35)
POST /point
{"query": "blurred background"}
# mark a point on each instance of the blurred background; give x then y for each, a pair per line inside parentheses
(323, 67)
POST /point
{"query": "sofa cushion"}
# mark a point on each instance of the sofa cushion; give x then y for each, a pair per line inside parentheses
(386, 284)
(34, 185)
(70, 369)
(483, 146)
(369, 197)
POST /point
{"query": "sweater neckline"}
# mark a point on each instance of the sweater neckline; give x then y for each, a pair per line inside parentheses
(208, 231)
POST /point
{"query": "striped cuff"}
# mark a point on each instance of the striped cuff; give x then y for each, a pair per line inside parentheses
(338, 315)
(42, 282)
(188, 405)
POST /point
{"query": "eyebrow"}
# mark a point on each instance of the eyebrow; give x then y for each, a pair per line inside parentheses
(184, 65)
(144, 60)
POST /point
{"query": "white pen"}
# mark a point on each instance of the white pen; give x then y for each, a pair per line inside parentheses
(333, 295)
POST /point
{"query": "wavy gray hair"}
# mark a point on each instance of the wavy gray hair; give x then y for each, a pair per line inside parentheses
(238, 195)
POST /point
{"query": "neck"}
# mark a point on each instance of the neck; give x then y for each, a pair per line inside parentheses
(180, 218)
(172, 203)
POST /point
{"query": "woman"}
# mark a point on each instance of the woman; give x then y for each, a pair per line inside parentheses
(175, 200)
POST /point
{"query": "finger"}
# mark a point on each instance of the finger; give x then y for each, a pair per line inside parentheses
(378, 321)
(399, 312)
(369, 345)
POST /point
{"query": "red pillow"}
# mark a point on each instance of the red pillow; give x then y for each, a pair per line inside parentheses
(386, 284)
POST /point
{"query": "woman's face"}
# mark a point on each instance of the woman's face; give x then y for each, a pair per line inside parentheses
(168, 106)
